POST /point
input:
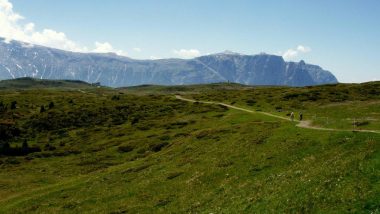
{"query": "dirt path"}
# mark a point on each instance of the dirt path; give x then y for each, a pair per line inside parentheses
(303, 124)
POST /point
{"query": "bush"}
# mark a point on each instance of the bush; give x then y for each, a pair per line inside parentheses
(42, 109)
(8, 131)
(7, 150)
(360, 123)
(115, 97)
(134, 121)
(126, 148)
(278, 108)
(158, 147)
(251, 102)
(3, 107)
(13, 105)
(51, 105)
(49, 147)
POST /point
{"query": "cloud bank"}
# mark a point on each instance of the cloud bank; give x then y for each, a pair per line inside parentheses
(294, 53)
(13, 28)
(107, 48)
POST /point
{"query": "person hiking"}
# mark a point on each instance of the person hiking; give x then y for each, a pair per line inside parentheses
(292, 116)
(301, 116)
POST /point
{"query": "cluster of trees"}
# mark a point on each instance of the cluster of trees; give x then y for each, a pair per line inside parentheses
(7, 149)
(4, 107)
(8, 131)
(13, 105)
(43, 109)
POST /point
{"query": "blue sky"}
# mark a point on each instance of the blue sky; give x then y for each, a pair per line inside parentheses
(342, 36)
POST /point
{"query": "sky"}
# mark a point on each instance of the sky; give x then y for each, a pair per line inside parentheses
(342, 36)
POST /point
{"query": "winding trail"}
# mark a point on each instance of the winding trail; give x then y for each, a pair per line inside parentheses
(306, 124)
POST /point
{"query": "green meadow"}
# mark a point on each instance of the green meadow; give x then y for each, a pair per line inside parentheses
(71, 147)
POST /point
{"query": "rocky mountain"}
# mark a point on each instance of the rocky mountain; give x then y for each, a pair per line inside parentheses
(18, 59)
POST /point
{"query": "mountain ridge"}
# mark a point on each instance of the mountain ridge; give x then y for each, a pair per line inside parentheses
(19, 59)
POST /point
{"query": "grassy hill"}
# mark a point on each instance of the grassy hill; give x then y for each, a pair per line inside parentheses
(28, 83)
(141, 150)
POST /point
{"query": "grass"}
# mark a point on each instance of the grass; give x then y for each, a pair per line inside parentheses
(181, 157)
(27, 83)
(342, 106)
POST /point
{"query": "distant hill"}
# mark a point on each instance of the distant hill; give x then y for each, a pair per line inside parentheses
(19, 59)
(27, 83)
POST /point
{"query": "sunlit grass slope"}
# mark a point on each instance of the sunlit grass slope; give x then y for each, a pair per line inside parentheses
(143, 151)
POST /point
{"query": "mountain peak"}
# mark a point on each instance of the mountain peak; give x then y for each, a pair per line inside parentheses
(302, 63)
(117, 71)
(227, 52)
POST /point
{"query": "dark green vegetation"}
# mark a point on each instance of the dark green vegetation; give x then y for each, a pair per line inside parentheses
(27, 83)
(140, 150)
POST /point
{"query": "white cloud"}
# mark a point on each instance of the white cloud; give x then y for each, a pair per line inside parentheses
(137, 49)
(107, 48)
(303, 49)
(294, 53)
(183, 53)
(52, 38)
(12, 28)
(103, 47)
(29, 27)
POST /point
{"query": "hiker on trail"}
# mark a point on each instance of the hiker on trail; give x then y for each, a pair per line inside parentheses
(292, 116)
(301, 116)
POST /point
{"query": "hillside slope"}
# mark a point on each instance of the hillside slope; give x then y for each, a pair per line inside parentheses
(134, 151)
(29, 83)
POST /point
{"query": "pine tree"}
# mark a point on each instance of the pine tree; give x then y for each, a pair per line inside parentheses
(25, 147)
(51, 105)
(42, 109)
(13, 105)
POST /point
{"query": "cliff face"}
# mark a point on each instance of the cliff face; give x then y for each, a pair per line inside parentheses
(18, 59)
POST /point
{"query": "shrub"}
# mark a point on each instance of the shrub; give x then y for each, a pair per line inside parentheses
(360, 123)
(25, 147)
(3, 107)
(115, 97)
(165, 137)
(125, 148)
(13, 105)
(8, 131)
(49, 147)
(291, 96)
(158, 147)
(51, 105)
(42, 109)
(251, 102)
(223, 107)
(178, 124)
(134, 121)
(7, 150)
